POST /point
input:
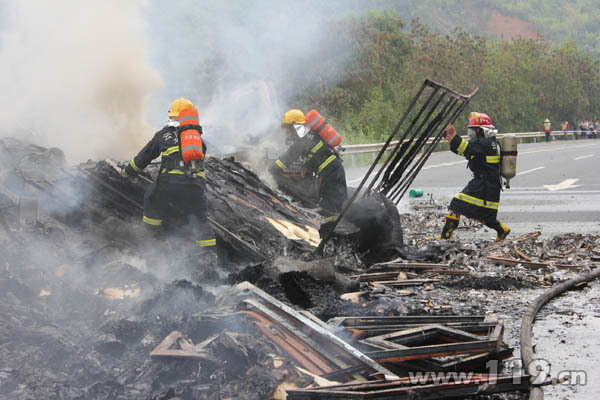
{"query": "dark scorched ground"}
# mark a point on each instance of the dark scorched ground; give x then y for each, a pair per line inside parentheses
(85, 296)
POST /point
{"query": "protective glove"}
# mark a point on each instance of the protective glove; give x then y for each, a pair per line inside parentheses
(127, 178)
(274, 170)
(449, 132)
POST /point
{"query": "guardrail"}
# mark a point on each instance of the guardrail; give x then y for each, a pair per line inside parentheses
(354, 150)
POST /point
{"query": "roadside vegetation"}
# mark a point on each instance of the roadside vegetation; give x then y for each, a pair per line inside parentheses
(521, 82)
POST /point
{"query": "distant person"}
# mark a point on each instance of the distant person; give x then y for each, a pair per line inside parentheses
(583, 129)
(481, 197)
(564, 126)
(547, 129)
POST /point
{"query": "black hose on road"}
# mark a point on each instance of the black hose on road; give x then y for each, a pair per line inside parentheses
(527, 356)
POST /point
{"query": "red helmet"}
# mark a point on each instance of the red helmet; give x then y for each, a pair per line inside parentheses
(480, 120)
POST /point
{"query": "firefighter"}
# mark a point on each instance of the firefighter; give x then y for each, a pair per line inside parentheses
(547, 129)
(319, 157)
(481, 197)
(177, 197)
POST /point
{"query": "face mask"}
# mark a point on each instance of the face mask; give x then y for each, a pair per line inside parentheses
(301, 130)
(489, 133)
(172, 122)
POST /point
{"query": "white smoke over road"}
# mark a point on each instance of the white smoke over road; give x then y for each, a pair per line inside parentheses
(75, 75)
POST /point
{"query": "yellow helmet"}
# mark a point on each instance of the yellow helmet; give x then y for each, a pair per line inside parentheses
(292, 117)
(178, 105)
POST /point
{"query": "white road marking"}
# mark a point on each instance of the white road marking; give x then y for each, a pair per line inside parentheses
(356, 180)
(528, 191)
(557, 148)
(530, 170)
(566, 184)
(445, 164)
(582, 157)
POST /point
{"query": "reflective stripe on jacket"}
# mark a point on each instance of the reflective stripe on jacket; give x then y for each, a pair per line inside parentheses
(319, 157)
(164, 143)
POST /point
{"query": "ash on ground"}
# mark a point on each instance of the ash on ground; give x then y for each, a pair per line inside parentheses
(85, 296)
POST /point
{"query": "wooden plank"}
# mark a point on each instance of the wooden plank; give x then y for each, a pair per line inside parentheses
(403, 320)
(317, 331)
(521, 254)
(376, 276)
(408, 282)
(402, 266)
(531, 264)
(436, 350)
(396, 275)
(171, 347)
(448, 271)
(314, 346)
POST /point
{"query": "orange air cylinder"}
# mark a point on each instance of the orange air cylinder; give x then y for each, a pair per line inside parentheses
(190, 136)
(318, 124)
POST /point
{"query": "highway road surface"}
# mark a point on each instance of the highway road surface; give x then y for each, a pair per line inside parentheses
(556, 190)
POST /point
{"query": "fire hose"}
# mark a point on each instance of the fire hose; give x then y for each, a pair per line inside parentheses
(527, 356)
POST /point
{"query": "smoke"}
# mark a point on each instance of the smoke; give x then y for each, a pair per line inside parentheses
(75, 75)
(88, 77)
(242, 62)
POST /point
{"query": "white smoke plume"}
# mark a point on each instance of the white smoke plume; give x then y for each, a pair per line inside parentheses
(96, 78)
(75, 75)
(241, 62)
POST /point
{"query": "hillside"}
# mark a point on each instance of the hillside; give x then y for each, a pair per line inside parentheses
(557, 21)
(521, 81)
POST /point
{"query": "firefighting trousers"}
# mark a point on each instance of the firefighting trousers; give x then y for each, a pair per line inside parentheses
(333, 191)
(179, 211)
(478, 200)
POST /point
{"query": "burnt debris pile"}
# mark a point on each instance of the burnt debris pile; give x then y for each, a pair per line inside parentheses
(93, 307)
(87, 293)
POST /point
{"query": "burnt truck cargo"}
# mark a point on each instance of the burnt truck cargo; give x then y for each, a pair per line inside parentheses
(251, 220)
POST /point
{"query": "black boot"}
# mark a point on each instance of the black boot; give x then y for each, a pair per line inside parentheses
(450, 225)
(501, 229)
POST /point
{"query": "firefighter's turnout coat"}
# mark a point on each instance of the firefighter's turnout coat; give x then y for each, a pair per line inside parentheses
(321, 160)
(481, 197)
(176, 196)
